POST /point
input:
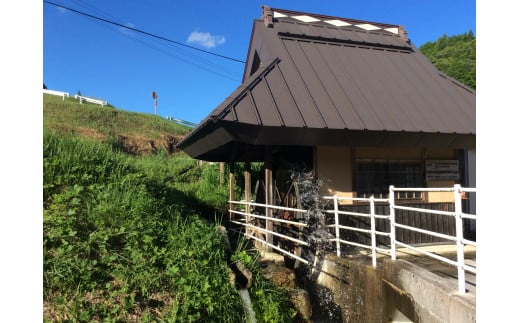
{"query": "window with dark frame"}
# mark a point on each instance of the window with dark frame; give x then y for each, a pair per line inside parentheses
(373, 177)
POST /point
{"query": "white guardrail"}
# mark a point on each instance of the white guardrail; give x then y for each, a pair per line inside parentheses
(58, 93)
(91, 100)
(78, 97)
(248, 217)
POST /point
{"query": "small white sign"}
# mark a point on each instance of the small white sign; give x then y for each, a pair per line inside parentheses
(442, 170)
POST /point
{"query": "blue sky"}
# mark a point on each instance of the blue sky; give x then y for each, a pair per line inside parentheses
(124, 67)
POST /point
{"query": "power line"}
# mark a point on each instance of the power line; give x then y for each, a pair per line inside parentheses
(199, 65)
(144, 32)
(192, 58)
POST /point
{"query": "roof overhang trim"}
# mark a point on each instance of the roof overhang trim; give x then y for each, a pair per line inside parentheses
(247, 140)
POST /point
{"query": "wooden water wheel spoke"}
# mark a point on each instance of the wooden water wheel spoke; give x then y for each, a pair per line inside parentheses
(286, 196)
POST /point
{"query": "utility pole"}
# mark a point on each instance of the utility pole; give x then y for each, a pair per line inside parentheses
(154, 96)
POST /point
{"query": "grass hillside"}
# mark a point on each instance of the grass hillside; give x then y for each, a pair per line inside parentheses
(130, 226)
(135, 133)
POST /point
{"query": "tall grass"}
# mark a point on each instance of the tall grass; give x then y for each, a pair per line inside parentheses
(127, 238)
(115, 249)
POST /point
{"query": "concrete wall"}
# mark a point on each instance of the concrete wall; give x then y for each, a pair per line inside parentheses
(393, 289)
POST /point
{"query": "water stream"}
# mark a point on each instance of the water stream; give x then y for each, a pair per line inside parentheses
(250, 313)
(324, 308)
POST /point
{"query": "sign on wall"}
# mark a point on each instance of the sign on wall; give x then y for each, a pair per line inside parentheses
(442, 170)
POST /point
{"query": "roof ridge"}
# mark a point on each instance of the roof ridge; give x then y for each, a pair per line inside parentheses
(269, 14)
(357, 21)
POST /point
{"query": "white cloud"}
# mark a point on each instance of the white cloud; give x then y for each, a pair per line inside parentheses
(205, 39)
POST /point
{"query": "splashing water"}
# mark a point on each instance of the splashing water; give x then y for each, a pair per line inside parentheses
(319, 236)
(317, 233)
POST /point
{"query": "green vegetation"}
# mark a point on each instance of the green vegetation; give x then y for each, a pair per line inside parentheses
(69, 117)
(134, 237)
(455, 56)
(270, 303)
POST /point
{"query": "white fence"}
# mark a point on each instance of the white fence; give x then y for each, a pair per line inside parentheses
(458, 239)
(78, 97)
(58, 93)
(91, 100)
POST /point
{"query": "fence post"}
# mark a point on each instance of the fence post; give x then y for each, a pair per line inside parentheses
(391, 203)
(373, 229)
(459, 233)
(336, 222)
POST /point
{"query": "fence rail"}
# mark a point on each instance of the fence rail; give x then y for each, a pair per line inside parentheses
(457, 214)
(91, 100)
(58, 93)
(262, 228)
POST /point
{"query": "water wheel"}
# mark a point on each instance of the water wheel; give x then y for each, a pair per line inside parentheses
(286, 196)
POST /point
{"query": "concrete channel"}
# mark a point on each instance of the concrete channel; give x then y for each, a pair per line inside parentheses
(413, 288)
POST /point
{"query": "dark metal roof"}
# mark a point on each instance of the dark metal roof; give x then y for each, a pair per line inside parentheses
(325, 80)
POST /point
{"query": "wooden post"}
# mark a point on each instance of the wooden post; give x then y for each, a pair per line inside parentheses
(221, 173)
(231, 188)
(298, 216)
(268, 195)
(247, 188)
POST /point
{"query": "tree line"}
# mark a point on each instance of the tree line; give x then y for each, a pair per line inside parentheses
(455, 56)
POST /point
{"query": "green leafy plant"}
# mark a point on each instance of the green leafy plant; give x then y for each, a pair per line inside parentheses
(270, 302)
